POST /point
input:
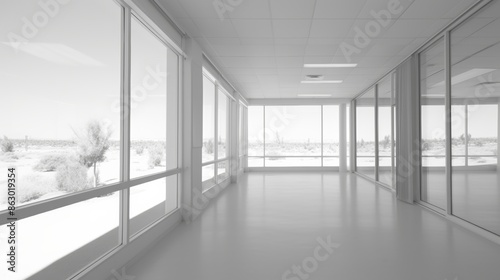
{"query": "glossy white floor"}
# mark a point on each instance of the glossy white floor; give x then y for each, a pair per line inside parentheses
(269, 222)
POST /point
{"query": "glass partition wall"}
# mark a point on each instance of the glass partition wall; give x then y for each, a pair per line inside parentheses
(375, 148)
(366, 146)
(432, 125)
(293, 136)
(460, 121)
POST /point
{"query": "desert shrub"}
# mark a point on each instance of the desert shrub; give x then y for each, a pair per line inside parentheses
(50, 163)
(272, 155)
(35, 186)
(139, 149)
(155, 155)
(425, 146)
(209, 146)
(72, 177)
(6, 145)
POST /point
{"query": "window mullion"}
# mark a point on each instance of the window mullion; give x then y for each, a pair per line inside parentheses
(216, 131)
(125, 125)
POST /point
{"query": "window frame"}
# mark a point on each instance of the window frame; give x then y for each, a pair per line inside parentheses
(216, 179)
(321, 156)
(125, 183)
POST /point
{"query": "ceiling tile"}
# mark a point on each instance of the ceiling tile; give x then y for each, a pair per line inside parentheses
(199, 9)
(237, 61)
(413, 28)
(257, 41)
(290, 41)
(290, 61)
(381, 9)
(263, 44)
(442, 9)
(253, 9)
(321, 50)
(258, 28)
(338, 9)
(292, 9)
(330, 28)
(289, 50)
(291, 28)
(215, 28)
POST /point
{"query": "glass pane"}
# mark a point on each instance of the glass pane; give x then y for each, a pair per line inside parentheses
(255, 162)
(255, 131)
(475, 120)
(207, 176)
(365, 134)
(292, 161)
(348, 136)
(331, 161)
(148, 122)
(60, 92)
(222, 120)
(222, 171)
(208, 151)
(80, 233)
(293, 131)
(432, 125)
(240, 131)
(331, 131)
(151, 201)
(385, 144)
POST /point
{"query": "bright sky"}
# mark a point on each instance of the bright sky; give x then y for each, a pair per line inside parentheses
(68, 72)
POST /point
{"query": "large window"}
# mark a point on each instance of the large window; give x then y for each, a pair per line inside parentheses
(59, 128)
(475, 102)
(365, 134)
(386, 147)
(293, 136)
(255, 136)
(149, 97)
(375, 115)
(153, 126)
(216, 124)
(242, 139)
(331, 139)
(432, 125)
(87, 129)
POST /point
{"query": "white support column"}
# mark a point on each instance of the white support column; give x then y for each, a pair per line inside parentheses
(173, 130)
(342, 139)
(234, 139)
(352, 130)
(192, 198)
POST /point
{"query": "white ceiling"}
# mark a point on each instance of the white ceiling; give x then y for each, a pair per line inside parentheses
(261, 45)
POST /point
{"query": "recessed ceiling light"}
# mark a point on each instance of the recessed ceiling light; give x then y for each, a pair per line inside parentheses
(322, 82)
(331, 65)
(314, 95)
(314, 77)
